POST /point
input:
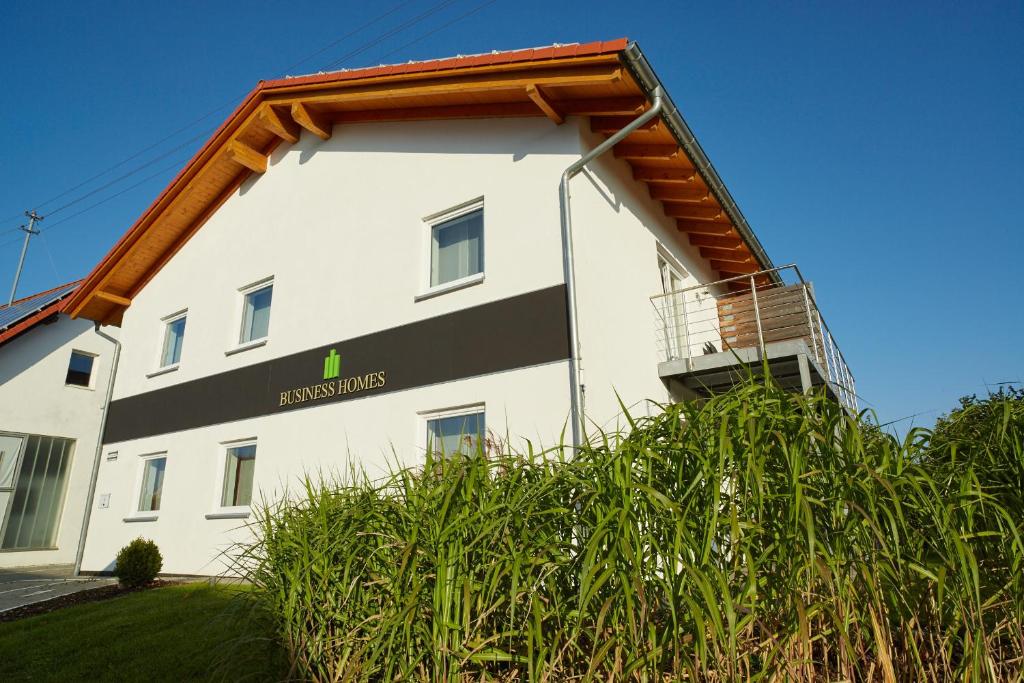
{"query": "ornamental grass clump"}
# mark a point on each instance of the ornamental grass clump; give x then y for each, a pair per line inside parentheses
(762, 535)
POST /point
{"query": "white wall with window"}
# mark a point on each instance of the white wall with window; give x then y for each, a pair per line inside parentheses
(174, 340)
(211, 469)
(256, 300)
(399, 222)
(237, 482)
(455, 430)
(52, 384)
(456, 250)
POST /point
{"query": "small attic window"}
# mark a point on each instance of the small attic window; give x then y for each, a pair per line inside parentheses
(80, 369)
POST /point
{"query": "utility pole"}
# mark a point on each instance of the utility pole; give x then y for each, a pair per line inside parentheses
(33, 218)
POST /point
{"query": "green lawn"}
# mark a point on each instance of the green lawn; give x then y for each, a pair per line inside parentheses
(177, 633)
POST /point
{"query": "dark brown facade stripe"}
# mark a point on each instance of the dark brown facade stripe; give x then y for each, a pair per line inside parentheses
(518, 332)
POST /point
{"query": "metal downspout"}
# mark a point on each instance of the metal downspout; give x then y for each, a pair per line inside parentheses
(99, 448)
(568, 261)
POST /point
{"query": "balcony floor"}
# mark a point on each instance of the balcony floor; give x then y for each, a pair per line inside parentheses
(790, 363)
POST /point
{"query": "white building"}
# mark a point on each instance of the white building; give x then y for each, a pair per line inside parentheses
(54, 373)
(360, 263)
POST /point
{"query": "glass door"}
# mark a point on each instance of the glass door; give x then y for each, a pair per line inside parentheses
(10, 452)
(35, 496)
(672, 311)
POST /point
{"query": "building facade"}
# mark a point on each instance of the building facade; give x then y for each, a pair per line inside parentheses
(363, 265)
(54, 372)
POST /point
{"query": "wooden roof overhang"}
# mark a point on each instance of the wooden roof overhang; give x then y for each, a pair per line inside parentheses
(573, 80)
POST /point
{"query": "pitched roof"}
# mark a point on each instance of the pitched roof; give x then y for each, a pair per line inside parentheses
(25, 313)
(594, 79)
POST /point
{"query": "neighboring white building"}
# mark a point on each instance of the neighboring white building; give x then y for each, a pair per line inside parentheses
(362, 263)
(53, 381)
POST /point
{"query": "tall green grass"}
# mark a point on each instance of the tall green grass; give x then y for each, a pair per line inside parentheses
(760, 536)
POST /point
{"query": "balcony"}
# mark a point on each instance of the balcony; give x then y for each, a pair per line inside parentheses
(711, 336)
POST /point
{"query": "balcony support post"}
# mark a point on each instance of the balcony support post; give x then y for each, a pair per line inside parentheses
(810, 324)
(757, 316)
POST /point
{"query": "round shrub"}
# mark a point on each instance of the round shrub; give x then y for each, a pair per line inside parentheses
(138, 563)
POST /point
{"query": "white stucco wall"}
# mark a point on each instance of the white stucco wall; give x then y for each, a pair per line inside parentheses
(339, 225)
(35, 400)
(617, 231)
(325, 439)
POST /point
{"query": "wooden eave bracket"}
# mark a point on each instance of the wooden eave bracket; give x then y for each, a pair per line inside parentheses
(283, 127)
(245, 155)
(544, 103)
(315, 123)
(112, 298)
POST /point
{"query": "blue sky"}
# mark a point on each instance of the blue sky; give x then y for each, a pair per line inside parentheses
(879, 145)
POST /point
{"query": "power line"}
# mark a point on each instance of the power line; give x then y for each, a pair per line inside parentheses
(351, 33)
(398, 29)
(132, 172)
(92, 206)
(441, 27)
(186, 127)
(341, 60)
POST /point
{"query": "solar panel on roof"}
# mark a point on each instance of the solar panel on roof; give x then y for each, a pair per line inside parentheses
(19, 310)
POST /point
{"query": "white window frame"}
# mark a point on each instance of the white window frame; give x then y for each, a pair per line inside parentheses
(236, 345)
(134, 513)
(430, 222)
(220, 511)
(165, 323)
(91, 386)
(16, 457)
(425, 416)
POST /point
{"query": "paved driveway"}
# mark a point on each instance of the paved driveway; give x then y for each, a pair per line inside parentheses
(24, 586)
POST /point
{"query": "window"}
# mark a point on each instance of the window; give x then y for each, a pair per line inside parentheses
(239, 466)
(38, 492)
(460, 433)
(80, 369)
(457, 247)
(174, 337)
(10, 446)
(152, 483)
(256, 314)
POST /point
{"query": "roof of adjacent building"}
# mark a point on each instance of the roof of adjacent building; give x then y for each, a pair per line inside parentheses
(599, 80)
(23, 314)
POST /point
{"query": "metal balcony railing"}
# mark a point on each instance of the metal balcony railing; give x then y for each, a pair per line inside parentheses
(751, 312)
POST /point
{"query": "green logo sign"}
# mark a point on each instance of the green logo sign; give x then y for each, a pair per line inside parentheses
(332, 365)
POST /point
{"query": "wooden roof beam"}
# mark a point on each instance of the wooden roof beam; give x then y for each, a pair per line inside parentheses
(665, 175)
(314, 122)
(679, 193)
(613, 124)
(280, 125)
(243, 154)
(705, 227)
(730, 255)
(697, 211)
(631, 151)
(112, 298)
(544, 104)
(734, 268)
(715, 241)
(605, 106)
(447, 85)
